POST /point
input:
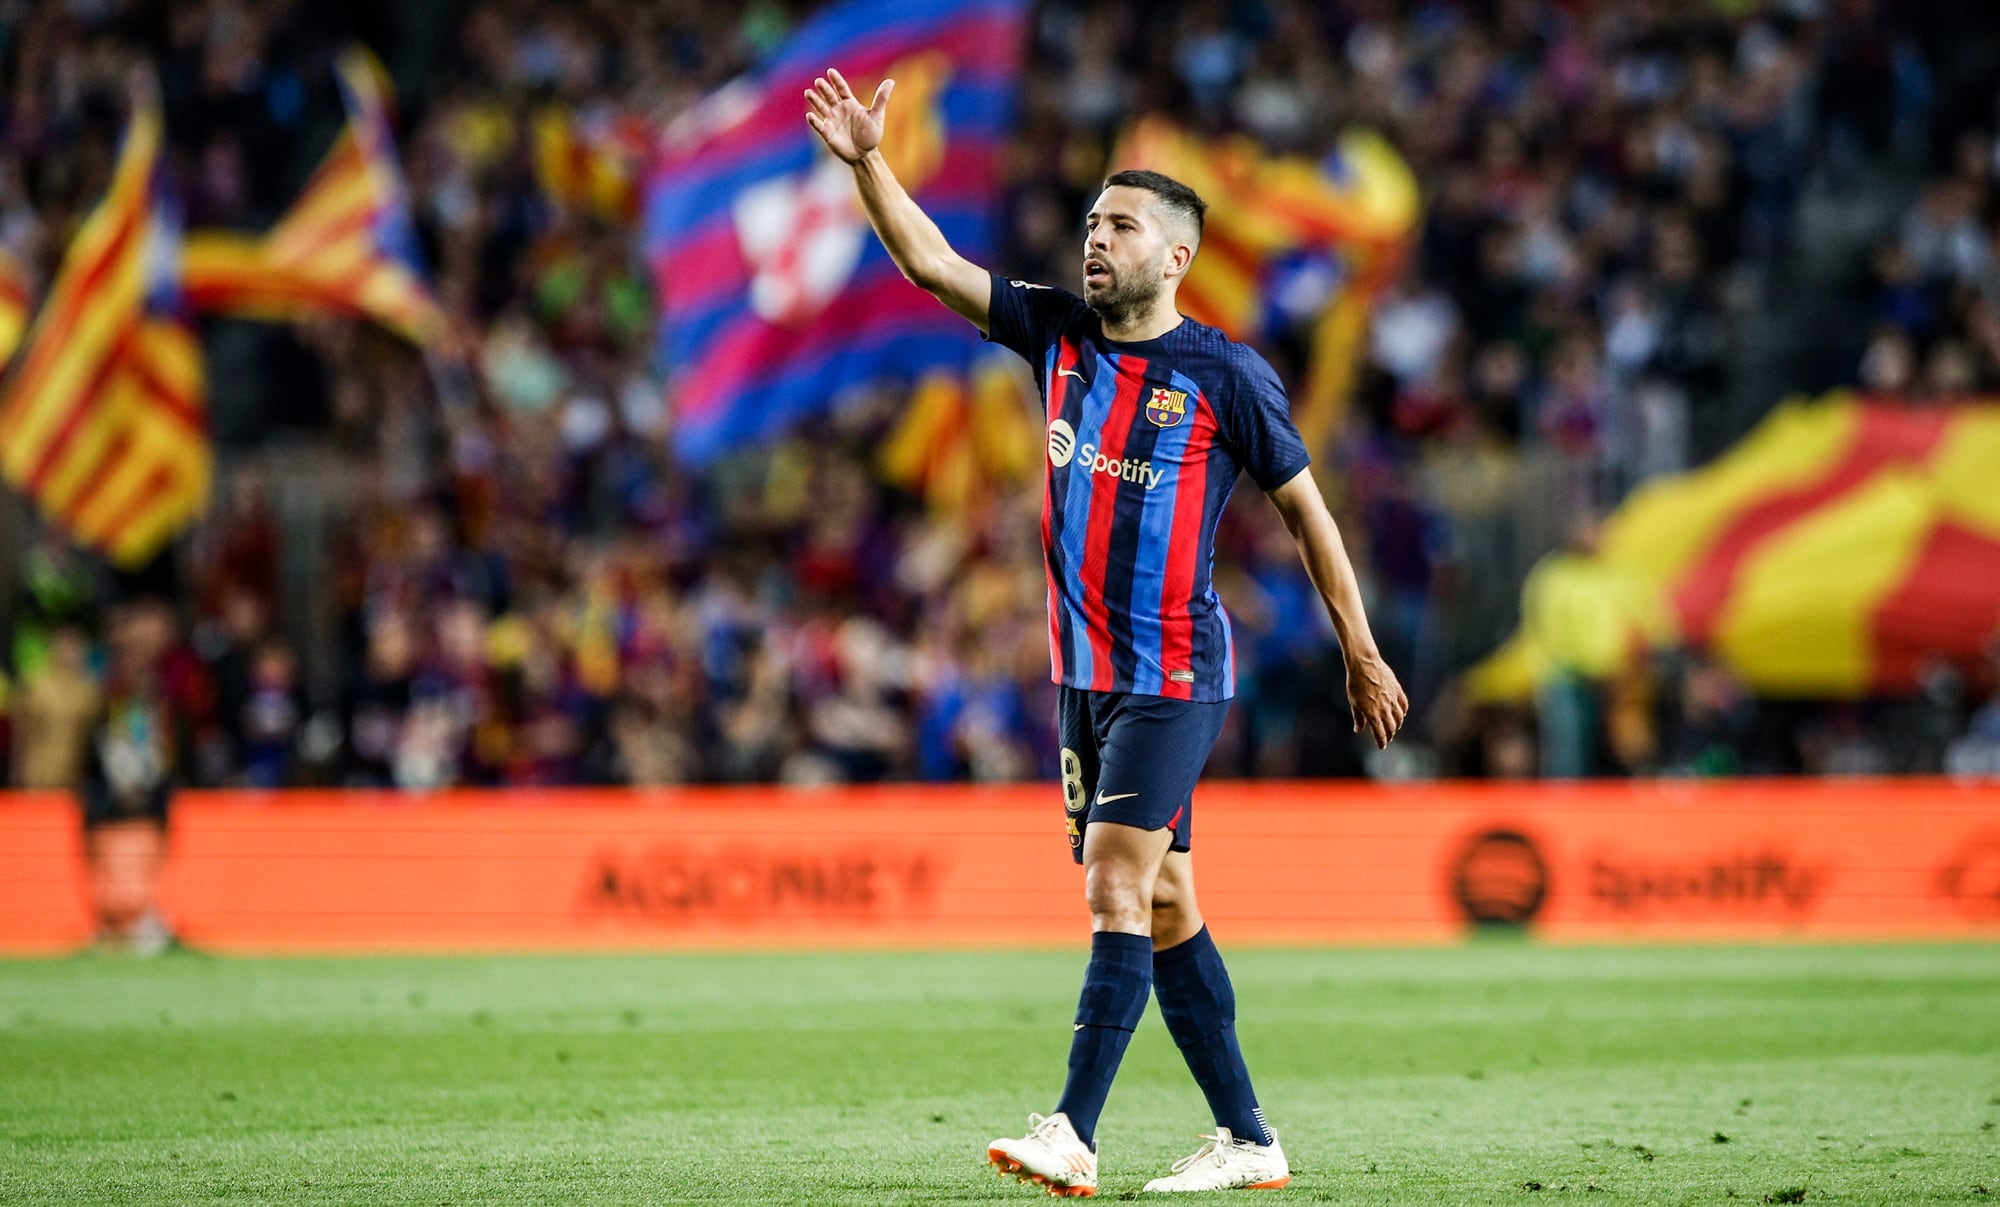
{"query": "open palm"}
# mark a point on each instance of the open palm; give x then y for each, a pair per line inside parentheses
(849, 129)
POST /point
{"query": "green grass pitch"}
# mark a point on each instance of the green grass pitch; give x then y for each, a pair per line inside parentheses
(1493, 1073)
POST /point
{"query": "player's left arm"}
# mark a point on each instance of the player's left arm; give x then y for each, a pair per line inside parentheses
(1376, 698)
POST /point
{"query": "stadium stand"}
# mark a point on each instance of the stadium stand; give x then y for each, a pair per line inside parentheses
(1646, 223)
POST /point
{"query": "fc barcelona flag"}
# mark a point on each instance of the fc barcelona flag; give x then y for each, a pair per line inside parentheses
(347, 247)
(103, 423)
(774, 292)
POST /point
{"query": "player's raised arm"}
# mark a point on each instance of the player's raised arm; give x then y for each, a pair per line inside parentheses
(1378, 701)
(853, 132)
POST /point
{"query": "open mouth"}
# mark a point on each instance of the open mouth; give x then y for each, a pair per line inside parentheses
(1094, 271)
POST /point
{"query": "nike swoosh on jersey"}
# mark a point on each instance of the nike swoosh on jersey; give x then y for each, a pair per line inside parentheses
(1069, 373)
(1103, 799)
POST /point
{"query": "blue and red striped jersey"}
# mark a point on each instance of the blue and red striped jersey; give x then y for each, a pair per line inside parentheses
(1145, 441)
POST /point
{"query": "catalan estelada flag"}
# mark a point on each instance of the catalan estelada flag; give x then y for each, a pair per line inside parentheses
(347, 247)
(15, 304)
(103, 423)
(1359, 207)
(964, 438)
(775, 294)
(1840, 550)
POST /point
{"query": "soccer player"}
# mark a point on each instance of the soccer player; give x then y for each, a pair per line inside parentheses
(1151, 417)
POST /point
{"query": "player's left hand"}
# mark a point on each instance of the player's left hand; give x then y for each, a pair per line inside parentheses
(1379, 703)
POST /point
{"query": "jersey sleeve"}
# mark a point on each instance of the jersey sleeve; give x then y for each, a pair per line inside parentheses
(1258, 422)
(1028, 318)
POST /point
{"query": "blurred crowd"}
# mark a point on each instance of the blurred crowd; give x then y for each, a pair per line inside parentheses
(527, 589)
(1934, 282)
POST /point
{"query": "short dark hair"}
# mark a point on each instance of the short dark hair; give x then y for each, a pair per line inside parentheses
(1175, 197)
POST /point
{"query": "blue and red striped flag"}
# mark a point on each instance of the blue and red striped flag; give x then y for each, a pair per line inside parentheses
(775, 295)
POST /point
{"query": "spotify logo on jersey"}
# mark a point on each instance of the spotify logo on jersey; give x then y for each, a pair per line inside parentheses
(1062, 443)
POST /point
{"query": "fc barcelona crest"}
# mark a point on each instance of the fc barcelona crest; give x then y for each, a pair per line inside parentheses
(1167, 408)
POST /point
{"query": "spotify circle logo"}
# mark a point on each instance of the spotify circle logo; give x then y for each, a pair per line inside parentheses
(1062, 443)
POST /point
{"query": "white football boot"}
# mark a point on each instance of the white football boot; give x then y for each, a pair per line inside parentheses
(1226, 1163)
(1049, 1155)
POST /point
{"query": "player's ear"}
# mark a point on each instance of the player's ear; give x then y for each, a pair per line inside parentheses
(1179, 257)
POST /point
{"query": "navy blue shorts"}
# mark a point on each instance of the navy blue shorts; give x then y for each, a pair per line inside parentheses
(1133, 760)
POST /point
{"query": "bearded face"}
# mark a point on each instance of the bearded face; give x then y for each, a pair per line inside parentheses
(1117, 292)
(1125, 252)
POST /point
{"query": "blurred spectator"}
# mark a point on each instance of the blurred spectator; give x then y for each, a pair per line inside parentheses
(379, 699)
(1712, 720)
(1976, 753)
(270, 717)
(140, 750)
(53, 714)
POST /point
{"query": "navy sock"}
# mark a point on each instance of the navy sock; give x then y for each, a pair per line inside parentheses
(1199, 1006)
(1115, 985)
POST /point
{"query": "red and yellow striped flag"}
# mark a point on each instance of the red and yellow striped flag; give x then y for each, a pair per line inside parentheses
(104, 420)
(1840, 550)
(14, 304)
(1362, 206)
(346, 248)
(586, 165)
(964, 436)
